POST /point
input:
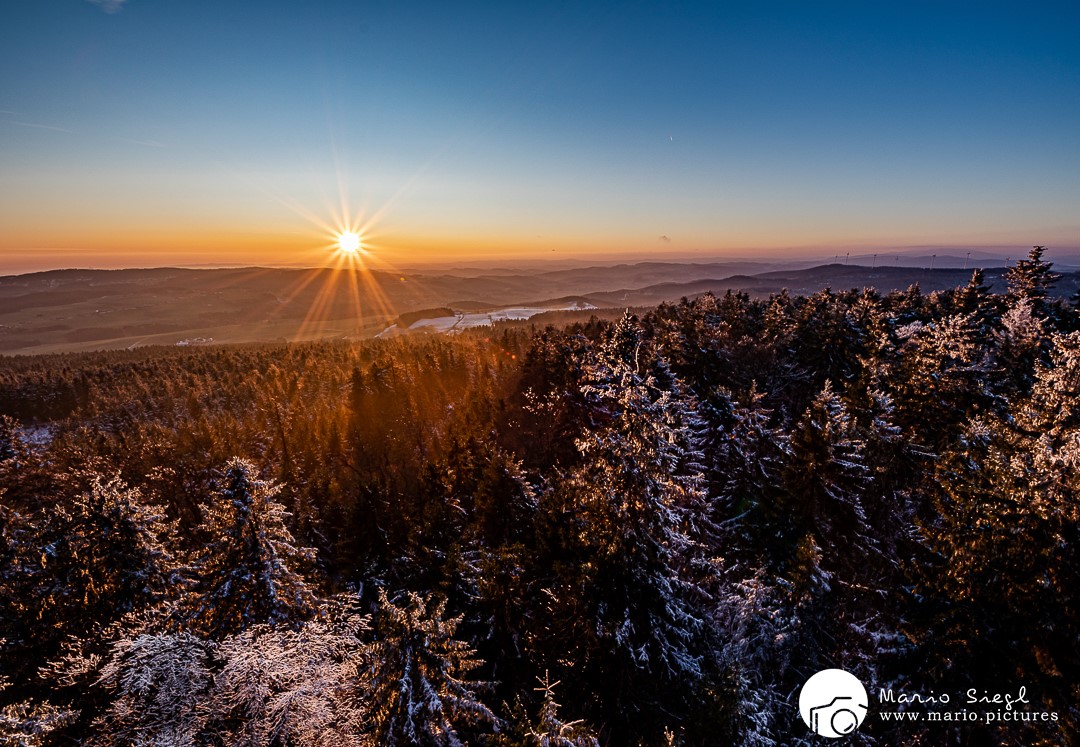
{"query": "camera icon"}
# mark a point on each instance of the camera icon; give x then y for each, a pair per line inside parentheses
(839, 717)
(833, 703)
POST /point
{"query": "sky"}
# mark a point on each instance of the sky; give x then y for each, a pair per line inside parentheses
(159, 132)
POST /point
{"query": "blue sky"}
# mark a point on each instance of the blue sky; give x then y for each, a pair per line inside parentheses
(164, 132)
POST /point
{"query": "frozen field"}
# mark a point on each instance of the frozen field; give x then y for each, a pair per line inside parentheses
(461, 321)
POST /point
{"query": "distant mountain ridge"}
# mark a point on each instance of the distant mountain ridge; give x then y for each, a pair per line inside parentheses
(67, 310)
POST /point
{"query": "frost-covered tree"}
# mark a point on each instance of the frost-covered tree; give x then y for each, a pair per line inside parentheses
(824, 481)
(12, 447)
(1054, 406)
(976, 299)
(1020, 342)
(249, 572)
(627, 533)
(940, 377)
(973, 297)
(895, 463)
(543, 431)
(822, 560)
(754, 621)
(999, 582)
(551, 731)
(469, 505)
(1031, 279)
(744, 454)
(17, 553)
(487, 506)
(159, 685)
(28, 480)
(74, 571)
(28, 723)
(264, 687)
(106, 553)
(417, 694)
(279, 686)
(826, 341)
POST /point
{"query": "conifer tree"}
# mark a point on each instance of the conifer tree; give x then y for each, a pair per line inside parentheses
(820, 552)
(552, 731)
(477, 518)
(754, 621)
(999, 583)
(1054, 407)
(12, 448)
(826, 340)
(285, 686)
(824, 481)
(160, 685)
(1031, 279)
(1021, 341)
(96, 558)
(28, 724)
(941, 377)
(627, 532)
(26, 479)
(250, 570)
(418, 696)
(974, 297)
(908, 305)
(17, 560)
(744, 455)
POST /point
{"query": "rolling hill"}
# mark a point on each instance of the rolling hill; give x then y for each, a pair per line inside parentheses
(69, 310)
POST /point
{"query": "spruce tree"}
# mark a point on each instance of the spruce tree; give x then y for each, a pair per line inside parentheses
(28, 479)
(551, 731)
(284, 686)
(76, 570)
(974, 297)
(1031, 279)
(999, 582)
(626, 535)
(418, 695)
(940, 377)
(824, 481)
(28, 723)
(820, 552)
(1021, 341)
(250, 570)
(160, 685)
(744, 455)
(12, 447)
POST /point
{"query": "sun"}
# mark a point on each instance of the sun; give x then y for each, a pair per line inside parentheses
(349, 242)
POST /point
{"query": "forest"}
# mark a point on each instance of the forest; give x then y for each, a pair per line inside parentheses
(648, 531)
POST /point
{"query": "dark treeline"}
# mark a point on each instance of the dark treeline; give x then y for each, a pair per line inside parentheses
(646, 532)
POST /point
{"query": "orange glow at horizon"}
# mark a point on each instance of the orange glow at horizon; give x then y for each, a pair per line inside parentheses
(301, 237)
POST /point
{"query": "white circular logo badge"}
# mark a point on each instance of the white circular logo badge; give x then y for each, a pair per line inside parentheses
(833, 703)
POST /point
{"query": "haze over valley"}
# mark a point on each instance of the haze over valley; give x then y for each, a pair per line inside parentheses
(71, 310)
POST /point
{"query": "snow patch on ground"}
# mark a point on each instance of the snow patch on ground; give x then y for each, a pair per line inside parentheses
(461, 320)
